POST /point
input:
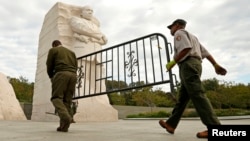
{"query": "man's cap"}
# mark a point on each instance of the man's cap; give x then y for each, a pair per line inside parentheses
(179, 21)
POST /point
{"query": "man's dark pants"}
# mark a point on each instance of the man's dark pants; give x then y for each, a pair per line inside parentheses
(63, 88)
(191, 88)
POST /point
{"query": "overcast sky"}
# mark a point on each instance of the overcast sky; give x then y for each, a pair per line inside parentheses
(221, 25)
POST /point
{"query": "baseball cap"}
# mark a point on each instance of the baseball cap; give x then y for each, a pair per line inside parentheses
(179, 21)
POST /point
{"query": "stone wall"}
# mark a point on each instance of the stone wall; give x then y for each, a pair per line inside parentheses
(27, 109)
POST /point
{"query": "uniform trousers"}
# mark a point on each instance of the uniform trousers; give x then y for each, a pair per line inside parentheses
(63, 88)
(191, 89)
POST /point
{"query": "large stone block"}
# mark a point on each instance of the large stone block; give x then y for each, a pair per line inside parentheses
(56, 27)
(10, 109)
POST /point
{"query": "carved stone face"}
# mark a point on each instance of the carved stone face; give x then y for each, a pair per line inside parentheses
(87, 12)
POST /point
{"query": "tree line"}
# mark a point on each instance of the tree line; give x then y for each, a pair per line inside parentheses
(23, 89)
(222, 94)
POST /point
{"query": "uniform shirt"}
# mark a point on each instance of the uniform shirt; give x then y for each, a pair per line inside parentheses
(183, 40)
(60, 59)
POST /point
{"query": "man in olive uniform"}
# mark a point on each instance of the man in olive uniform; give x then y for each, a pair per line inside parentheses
(61, 69)
(188, 55)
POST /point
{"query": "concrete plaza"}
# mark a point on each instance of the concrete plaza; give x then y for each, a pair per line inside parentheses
(121, 130)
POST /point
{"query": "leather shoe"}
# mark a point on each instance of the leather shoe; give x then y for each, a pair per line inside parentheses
(166, 126)
(203, 134)
(64, 125)
(59, 129)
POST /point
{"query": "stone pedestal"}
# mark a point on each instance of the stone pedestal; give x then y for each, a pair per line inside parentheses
(10, 108)
(56, 26)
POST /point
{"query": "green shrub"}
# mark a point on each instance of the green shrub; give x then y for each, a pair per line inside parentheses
(191, 113)
(150, 115)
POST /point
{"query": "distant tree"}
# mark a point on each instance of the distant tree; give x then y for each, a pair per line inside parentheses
(216, 99)
(164, 99)
(144, 97)
(116, 99)
(211, 84)
(22, 88)
(238, 95)
(112, 86)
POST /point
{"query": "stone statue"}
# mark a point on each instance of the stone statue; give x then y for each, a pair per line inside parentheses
(79, 31)
(88, 39)
(87, 34)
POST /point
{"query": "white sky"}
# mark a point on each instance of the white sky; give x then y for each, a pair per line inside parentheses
(221, 25)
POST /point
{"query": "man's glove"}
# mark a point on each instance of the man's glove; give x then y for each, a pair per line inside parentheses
(220, 70)
(170, 64)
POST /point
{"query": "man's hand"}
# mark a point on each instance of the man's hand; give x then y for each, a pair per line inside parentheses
(170, 64)
(220, 70)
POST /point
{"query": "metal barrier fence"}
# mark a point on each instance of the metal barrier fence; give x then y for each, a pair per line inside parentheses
(130, 65)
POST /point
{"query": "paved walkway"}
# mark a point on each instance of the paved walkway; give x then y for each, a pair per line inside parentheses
(121, 130)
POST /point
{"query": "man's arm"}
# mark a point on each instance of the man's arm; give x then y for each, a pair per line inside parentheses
(183, 53)
(177, 58)
(218, 69)
(50, 64)
(80, 28)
